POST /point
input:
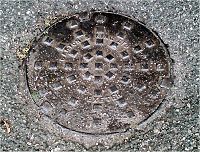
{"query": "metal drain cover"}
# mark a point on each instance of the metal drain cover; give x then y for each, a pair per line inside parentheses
(98, 74)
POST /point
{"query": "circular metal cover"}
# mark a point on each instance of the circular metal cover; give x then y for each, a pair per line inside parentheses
(98, 73)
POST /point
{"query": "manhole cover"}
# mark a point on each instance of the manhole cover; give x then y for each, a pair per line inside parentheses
(98, 74)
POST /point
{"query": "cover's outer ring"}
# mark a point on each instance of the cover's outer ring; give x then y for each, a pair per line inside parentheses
(89, 140)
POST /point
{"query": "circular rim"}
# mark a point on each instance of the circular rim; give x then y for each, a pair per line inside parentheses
(98, 135)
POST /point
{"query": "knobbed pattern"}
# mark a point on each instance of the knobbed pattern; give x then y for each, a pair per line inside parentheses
(98, 73)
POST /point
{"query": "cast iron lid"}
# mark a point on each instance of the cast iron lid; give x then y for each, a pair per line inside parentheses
(98, 73)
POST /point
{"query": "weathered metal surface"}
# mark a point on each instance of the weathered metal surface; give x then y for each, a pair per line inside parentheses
(97, 73)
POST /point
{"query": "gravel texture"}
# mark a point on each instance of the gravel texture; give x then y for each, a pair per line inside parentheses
(177, 23)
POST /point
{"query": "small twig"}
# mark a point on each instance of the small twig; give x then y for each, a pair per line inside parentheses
(6, 125)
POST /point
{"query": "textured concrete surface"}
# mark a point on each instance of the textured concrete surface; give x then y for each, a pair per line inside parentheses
(175, 21)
